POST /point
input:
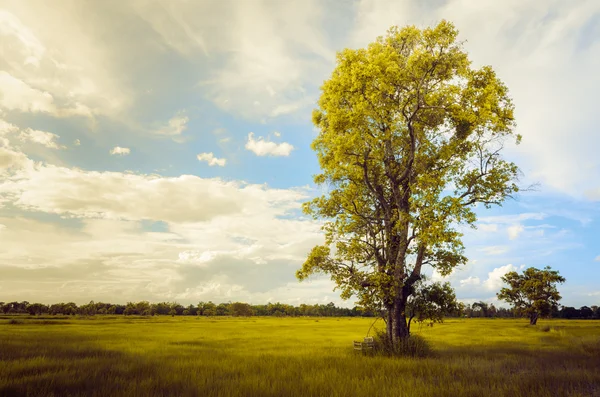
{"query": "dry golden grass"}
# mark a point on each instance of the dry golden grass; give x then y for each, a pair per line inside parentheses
(190, 356)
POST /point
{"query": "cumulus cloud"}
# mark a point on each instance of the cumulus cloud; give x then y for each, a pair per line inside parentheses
(116, 195)
(515, 231)
(122, 151)
(470, 281)
(494, 282)
(219, 240)
(176, 125)
(211, 160)
(11, 160)
(263, 147)
(44, 138)
(7, 128)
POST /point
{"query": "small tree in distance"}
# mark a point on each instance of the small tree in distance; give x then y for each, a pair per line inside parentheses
(533, 293)
(431, 302)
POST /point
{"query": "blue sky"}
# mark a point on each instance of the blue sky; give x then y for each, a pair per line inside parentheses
(161, 150)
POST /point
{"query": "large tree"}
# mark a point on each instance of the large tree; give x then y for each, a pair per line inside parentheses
(410, 139)
(533, 293)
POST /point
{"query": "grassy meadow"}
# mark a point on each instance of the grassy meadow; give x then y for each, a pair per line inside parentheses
(224, 356)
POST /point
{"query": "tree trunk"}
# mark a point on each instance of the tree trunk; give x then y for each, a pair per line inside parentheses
(388, 324)
(399, 326)
(533, 317)
(409, 321)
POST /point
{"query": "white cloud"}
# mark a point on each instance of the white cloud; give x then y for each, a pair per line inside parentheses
(263, 147)
(117, 150)
(11, 160)
(494, 281)
(176, 125)
(277, 134)
(265, 71)
(513, 218)
(17, 95)
(30, 47)
(76, 142)
(44, 138)
(114, 195)
(53, 65)
(220, 240)
(515, 231)
(487, 227)
(494, 250)
(470, 281)
(7, 128)
(211, 160)
(597, 259)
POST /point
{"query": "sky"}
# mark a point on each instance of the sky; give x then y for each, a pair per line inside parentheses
(160, 150)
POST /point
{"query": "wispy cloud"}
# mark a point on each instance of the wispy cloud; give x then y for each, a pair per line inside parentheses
(513, 218)
(17, 95)
(494, 250)
(487, 227)
(175, 126)
(73, 79)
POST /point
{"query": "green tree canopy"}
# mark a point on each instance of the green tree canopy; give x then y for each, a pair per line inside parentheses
(410, 140)
(532, 293)
(431, 302)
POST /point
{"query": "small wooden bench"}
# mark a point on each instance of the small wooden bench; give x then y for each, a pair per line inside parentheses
(366, 344)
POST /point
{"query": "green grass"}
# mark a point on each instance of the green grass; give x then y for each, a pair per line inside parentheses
(190, 356)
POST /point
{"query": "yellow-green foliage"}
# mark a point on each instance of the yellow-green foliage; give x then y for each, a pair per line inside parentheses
(191, 356)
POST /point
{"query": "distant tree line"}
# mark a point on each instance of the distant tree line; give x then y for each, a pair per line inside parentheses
(483, 309)
(144, 308)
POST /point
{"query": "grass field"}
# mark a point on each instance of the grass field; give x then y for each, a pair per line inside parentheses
(192, 356)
